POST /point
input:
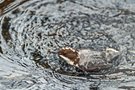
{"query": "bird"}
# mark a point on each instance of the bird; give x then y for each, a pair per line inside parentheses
(89, 59)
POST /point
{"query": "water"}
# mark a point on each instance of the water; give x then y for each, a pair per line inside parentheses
(31, 32)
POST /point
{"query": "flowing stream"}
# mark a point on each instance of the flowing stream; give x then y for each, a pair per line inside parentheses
(32, 32)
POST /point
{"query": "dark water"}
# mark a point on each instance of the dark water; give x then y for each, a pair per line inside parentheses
(32, 31)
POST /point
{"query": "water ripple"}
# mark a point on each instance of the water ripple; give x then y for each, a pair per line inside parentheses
(31, 34)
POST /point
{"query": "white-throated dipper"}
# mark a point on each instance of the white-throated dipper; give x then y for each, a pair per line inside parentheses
(88, 59)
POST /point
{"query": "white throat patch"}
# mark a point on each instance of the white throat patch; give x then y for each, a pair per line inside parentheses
(67, 60)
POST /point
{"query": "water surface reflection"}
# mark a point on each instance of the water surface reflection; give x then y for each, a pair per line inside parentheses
(31, 32)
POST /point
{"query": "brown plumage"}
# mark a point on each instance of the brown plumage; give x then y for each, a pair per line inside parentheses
(87, 59)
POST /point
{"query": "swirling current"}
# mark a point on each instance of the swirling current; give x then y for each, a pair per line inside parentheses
(32, 32)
